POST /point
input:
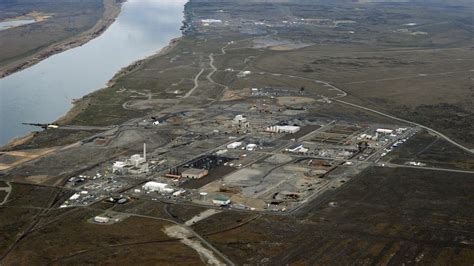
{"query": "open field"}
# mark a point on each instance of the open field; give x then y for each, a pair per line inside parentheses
(433, 152)
(134, 239)
(382, 216)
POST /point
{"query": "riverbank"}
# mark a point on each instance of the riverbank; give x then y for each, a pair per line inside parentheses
(81, 104)
(111, 11)
(136, 65)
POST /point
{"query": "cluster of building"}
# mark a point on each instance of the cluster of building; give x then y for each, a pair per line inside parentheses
(382, 132)
(163, 188)
(283, 129)
(153, 186)
(240, 121)
(136, 164)
(239, 144)
(191, 173)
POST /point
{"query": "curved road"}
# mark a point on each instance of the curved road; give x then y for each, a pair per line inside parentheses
(196, 84)
(441, 135)
(343, 94)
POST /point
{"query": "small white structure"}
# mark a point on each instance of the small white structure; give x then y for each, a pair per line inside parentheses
(202, 195)
(251, 147)
(234, 145)
(242, 74)
(179, 192)
(210, 20)
(240, 118)
(75, 196)
(240, 121)
(220, 152)
(101, 219)
(220, 200)
(384, 131)
(416, 164)
(283, 129)
(136, 160)
(297, 148)
(118, 167)
(401, 130)
(153, 186)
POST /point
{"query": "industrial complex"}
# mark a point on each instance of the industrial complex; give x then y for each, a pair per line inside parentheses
(272, 132)
(244, 163)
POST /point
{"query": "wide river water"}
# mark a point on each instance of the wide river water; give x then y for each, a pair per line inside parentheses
(43, 92)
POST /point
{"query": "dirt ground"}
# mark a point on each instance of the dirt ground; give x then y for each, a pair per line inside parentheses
(382, 216)
(432, 151)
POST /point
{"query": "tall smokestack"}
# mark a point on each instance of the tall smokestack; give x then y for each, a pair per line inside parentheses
(144, 151)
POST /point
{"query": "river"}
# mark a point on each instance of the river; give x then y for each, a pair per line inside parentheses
(43, 92)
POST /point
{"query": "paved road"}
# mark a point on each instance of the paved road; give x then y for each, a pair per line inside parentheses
(342, 94)
(8, 190)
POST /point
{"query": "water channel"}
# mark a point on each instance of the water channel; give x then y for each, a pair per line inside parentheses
(43, 92)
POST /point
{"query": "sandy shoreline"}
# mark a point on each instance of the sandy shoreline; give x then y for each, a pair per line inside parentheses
(112, 10)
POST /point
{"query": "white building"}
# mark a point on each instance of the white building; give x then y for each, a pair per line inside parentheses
(220, 152)
(136, 160)
(384, 131)
(210, 20)
(297, 148)
(251, 147)
(153, 186)
(242, 74)
(220, 200)
(75, 196)
(283, 129)
(234, 145)
(101, 219)
(240, 121)
(136, 164)
(119, 167)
